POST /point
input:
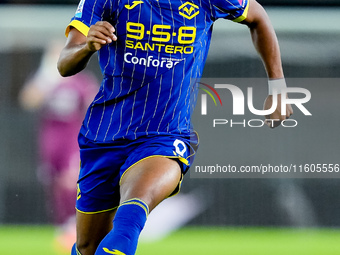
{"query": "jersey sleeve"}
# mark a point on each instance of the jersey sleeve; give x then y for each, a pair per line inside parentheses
(88, 13)
(235, 10)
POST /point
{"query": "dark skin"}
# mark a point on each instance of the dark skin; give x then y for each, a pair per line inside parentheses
(154, 179)
(266, 44)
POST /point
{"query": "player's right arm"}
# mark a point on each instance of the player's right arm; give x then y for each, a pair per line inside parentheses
(79, 47)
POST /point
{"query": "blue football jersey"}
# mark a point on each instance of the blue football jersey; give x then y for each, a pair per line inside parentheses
(150, 72)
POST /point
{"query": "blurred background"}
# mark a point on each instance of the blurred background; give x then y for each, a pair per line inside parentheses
(309, 36)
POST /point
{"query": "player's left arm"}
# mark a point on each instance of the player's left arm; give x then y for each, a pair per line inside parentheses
(266, 43)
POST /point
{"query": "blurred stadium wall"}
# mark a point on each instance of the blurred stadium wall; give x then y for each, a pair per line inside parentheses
(309, 39)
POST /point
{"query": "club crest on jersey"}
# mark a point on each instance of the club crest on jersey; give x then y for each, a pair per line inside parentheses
(134, 4)
(188, 10)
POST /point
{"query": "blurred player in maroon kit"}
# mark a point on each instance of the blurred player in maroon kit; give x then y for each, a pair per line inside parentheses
(61, 103)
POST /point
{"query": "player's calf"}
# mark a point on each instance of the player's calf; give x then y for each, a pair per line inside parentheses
(127, 225)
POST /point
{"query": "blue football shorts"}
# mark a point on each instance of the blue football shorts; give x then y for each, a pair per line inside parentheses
(103, 165)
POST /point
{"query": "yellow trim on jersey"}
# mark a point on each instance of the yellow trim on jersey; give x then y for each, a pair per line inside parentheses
(178, 188)
(80, 26)
(78, 192)
(183, 160)
(198, 139)
(107, 210)
(244, 14)
(153, 156)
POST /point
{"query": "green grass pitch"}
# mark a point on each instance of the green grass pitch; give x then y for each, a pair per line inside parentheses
(39, 240)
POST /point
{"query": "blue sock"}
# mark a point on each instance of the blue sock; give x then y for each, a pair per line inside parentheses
(127, 225)
(74, 250)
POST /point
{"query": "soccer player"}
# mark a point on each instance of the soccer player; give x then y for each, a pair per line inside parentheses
(136, 141)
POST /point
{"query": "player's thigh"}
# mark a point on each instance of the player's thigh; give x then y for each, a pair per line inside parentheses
(152, 180)
(91, 229)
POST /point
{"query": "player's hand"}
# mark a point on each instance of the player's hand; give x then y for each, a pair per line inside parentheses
(99, 35)
(276, 115)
